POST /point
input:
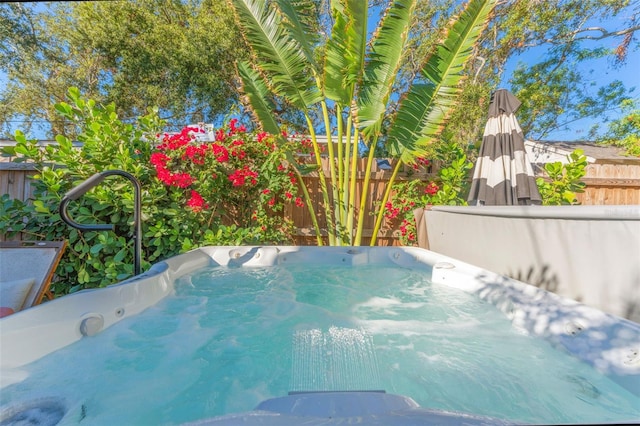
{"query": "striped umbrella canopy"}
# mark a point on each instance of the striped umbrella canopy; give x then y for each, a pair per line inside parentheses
(503, 175)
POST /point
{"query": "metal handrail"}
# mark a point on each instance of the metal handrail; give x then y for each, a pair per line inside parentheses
(95, 180)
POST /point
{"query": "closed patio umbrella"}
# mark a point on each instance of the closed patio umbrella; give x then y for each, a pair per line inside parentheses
(503, 175)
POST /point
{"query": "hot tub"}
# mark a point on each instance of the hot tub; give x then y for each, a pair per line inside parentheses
(317, 335)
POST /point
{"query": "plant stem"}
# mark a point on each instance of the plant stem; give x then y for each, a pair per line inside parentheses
(365, 191)
(307, 198)
(349, 189)
(385, 197)
(331, 230)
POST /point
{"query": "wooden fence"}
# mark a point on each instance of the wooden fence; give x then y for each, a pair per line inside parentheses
(606, 184)
(15, 180)
(611, 184)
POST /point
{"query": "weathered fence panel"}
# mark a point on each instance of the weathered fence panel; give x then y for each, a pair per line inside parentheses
(15, 180)
(611, 184)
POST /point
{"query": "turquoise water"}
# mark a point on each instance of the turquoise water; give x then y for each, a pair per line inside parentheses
(231, 338)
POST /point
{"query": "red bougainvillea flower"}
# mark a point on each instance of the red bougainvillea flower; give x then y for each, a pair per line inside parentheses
(239, 177)
(234, 128)
(423, 161)
(196, 202)
(196, 154)
(431, 189)
(261, 135)
(226, 171)
(164, 176)
(182, 180)
(220, 152)
(239, 154)
(420, 162)
(178, 140)
(403, 227)
(159, 159)
(232, 125)
(391, 211)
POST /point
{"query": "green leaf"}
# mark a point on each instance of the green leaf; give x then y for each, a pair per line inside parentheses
(281, 56)
(300, 16)
(423, 113)
(345, 53)
(64, 109)
(9, 151)
(120, 255)
(383, 65)
(257, 93)
(40, 207)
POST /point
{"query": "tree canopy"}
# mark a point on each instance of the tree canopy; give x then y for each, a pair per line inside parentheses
(176, 55)
(180, 55)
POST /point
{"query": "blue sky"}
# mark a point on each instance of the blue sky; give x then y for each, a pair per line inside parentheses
(599, 72)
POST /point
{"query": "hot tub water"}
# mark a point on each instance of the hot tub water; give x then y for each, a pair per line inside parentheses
(232, 337)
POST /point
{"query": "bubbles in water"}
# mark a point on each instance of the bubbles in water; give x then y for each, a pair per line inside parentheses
(232, 337)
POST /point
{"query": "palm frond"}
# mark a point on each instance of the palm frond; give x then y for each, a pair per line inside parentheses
(257, 95)
(423, 113)
(382, 67)
(280, 54)
(344, 59)
(300, 18)
(336, 62)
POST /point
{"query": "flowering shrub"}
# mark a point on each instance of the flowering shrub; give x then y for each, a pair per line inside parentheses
(408, 196)
(228, 192)
(447, 189)
(240, 179)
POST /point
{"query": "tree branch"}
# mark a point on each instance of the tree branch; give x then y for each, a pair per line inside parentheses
(574, 35)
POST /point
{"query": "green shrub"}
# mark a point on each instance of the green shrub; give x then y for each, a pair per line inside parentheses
(170, 226)
(563, 180)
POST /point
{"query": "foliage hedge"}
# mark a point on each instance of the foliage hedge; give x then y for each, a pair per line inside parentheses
(99, 258)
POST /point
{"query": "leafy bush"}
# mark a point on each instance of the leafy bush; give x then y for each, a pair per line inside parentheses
(236, 214)
(563, 180)
(240, 182)
(447, 189)
(625, 132)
